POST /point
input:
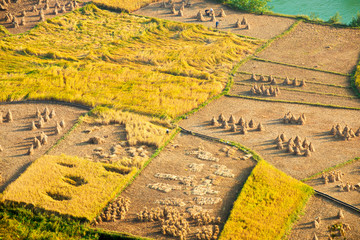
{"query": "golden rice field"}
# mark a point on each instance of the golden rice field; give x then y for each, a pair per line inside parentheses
(123, 5)
(69, 185)
(93, 57)
(139, 129)
(268, 204)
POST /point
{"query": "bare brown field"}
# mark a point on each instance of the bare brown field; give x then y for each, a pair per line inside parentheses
(317, 46)
(16, 137)
(329, 151)
(351, 175)
(261, 26)
(321, 87)
(175, 160)
(32, 18)
(327, 211)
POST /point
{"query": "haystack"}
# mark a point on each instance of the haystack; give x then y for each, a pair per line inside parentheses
(251, 124)
(351, 132)
(303, 83)
(41, 122)
(297, 151)
(278, 139)
(221, 118)
(301, 120)
(293, 120)
(253, 91)
(297, 140)
(225, 124)
(52, 113)
(46, 118)
(338, 126)
(37, 143)
(340, 214)
(287, 81)
(346, 129)
(260, 127)
(238, 24)
(200, 17)
(9, 17)
(271, 90)
(247, 26)
(63, 9)
(315, 237)
(303, 116)
(243, 22)
(311, 147)
(338, 134)
(295, 82)
(33, 126)
(9, 117)
(280, 146)
(253, 77)
(62, 123)
(263, 89)
(214, 122)
(1, 150)
(182, 8)
(277, 90)
(273, 81)
(56, 12)
(291, 142)
(290, 149)
(305, 143)
(23, 21)
(232, 119)
(181, 13)
(243, 130)
(23, 13)
(96, 140)
(57, 130)
(347, 136)
(241, 121)
(31, 150)
(307, 153)
(256, 87)
(260, 92)
(15, 23)
(233, 127)
(213, 18)
(283, 138)
(286, 119)
(316, 224)
(267, 92)
(358, 133)
(42, 18)
(43, 138)
(270, 78)
(222, 13)
(57, 4)
(262, 78)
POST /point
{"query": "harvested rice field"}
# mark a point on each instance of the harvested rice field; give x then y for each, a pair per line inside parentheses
(329, 150)
(327, 211)
(190, 175)
(17, 136)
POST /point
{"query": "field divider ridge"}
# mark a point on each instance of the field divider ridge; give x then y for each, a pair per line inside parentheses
(344, 204)
(301, 67)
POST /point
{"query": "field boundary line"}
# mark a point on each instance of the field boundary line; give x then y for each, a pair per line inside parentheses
(78, 105)
(301, 67)
(347, 205)
(293, 102)
(311, 82)
(348, 162)
(302, 91)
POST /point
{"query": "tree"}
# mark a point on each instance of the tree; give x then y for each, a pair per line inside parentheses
(355, 22)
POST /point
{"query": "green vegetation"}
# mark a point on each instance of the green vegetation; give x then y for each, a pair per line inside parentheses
(93, 57)
(356, 78)
(256, 6)
(355, 22)
(69, 185)
(336, 19)
(267, 206)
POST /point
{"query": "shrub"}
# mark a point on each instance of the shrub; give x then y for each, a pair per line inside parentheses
(355, 22)
(335, 19)
(256, 6)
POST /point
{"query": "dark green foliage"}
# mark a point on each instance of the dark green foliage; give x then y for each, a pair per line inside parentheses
(256, 6)
(335, 19)
(355, 22)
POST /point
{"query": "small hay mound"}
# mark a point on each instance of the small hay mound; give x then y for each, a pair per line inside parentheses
(96, 140)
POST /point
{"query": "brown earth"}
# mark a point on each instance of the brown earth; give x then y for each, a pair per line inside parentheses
(31, 18)
(261, 26)
(174, 160)
(351, 175)
(327, 211)
(323, 47)
(329, 151)
(16, 137)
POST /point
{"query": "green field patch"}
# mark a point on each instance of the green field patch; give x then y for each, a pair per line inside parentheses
(81, 190)
(267, 206)
(92, 56)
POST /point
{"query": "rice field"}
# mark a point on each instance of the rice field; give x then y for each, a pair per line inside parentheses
(92, 56)
(68, 185)
(267, 206)
(123, 5)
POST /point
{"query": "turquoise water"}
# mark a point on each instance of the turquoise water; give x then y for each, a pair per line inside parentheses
(324, 9)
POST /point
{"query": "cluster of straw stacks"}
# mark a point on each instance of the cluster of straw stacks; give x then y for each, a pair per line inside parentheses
(295, 146)
(202, 217)
(116, 210)
(332, 176)
(173, 223)
(163, 187)
(208, 232)
(241, 126)
(178, 202)
(295, 82)
(180, 13)
(38, 142)
(347, 133)
(272, 80)
(289, 118)
(200, 17)
(242, 24)
(271, 91)
(8, 117)
(349, 187)
(44, 117)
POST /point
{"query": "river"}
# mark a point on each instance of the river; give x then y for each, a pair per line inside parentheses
(324, 9)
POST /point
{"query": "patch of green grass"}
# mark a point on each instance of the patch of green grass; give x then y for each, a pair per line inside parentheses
(146, 65)
(50, 183)
(267, 206)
